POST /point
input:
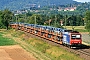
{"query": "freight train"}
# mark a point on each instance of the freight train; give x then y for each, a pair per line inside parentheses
(58, 35)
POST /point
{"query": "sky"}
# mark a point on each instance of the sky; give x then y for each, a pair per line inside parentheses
(82, 0)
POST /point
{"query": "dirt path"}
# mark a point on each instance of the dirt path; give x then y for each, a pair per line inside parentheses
(14, 52)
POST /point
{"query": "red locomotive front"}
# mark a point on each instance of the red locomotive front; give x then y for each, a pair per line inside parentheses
(75, 39)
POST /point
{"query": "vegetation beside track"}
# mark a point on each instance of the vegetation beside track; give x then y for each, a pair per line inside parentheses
(38, 48)
(6, 41)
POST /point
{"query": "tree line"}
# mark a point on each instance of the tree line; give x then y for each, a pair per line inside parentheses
(55, 20)
(50, 19)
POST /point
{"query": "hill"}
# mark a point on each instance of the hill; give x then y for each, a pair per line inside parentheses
(20, 4)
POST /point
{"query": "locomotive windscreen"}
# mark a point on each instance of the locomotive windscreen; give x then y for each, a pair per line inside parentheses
(73, 36)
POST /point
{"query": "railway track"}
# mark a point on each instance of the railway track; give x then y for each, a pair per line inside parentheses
(83, 51)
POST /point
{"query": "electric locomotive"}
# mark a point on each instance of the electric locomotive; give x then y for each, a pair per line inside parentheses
(72, 38)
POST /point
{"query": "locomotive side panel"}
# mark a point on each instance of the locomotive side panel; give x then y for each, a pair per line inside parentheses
(66, 39)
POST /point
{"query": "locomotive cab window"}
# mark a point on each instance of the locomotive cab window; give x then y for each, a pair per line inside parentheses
(75, 37)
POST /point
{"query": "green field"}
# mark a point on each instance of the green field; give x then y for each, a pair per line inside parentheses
(77, 28)
(5, 41)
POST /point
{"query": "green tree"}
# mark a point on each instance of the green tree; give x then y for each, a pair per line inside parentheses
(87, 20)
(6, 17)
(79, 20)
(38, 18)
(1, 24)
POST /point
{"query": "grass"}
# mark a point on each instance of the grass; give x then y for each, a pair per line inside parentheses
(5, 41)
(77, 28)
(81, 30)
(43, 49)
(54, 52)
(87, 41)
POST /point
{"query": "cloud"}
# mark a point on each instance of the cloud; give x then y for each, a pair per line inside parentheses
(82, 0)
